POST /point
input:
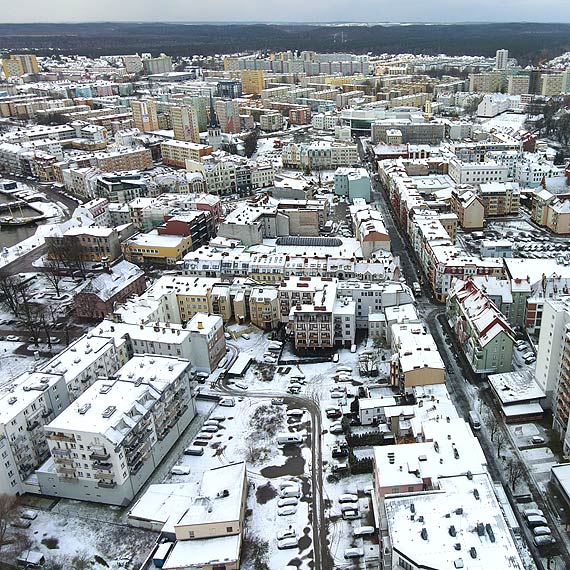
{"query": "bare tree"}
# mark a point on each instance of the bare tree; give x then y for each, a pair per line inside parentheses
(32, 317)
(493, 424)
(53, 273)
(501, 442)
(11, 288)
(515, 471)
(66, 253)
(8, 509)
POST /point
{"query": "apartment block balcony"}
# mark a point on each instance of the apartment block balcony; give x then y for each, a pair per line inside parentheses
(67, 470)
(58, 436)
(98, 455)
(106, 484)
(102, 465)
(61, 452)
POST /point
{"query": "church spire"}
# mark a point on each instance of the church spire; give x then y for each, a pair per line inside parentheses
(213, 123)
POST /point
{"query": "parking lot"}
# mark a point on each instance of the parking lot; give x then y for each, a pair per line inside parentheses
(528, 241)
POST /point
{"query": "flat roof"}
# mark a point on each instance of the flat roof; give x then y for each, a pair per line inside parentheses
(517, 386)
(477, 522)
(204, 552)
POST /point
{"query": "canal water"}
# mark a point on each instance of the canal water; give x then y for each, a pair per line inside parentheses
(10, 236)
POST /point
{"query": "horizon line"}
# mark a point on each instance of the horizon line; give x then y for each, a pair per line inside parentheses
(286, 22)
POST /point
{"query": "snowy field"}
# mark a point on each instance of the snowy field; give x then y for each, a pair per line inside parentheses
(509, 120)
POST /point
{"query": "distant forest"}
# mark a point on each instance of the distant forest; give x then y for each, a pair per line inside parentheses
(529, 43)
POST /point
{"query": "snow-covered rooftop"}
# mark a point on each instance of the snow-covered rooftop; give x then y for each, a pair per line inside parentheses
(459, 526)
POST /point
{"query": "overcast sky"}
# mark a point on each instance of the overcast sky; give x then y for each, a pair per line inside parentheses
(287, 10)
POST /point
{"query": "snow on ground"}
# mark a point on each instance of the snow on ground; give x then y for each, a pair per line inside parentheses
(65, 535)
(510, 120)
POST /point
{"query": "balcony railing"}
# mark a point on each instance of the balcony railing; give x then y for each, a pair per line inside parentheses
(99, 455)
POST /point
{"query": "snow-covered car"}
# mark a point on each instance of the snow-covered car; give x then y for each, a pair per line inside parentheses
(277, 401)
(287, 543)
(180, 470)
(336, 428)
(350, 514)
(288, 502)
(210, 429)
(353, 553)
(293, 413)
(348, 498)
(212, 422)
(205, 436)
(227, 402)
(287, 511)
(13, 338)
(287, 533)
(363, 531)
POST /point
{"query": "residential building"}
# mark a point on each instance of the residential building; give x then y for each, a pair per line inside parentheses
(353, 183)
(500, 199)
(184, 120)
(97, 297)
(20, 64)
(251, 81)
(477, 172)
(501, 59)
(264, 308)
(105, 446)
(481, 329)
(176, 153)
(85, 244)
(416, 360)
(156, 65)
(154, 248)
(29, 403)
(468, 207)
(144, 115)
(207, 341)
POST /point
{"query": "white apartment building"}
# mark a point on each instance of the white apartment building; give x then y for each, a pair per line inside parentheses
(105, 446)
(29, 403)
(477, 172)
(84, 361)
(207, 341)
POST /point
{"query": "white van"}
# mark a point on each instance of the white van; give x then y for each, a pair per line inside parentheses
(474, 420)
(289, 438)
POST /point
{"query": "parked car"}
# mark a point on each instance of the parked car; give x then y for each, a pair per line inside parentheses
(288, 502)
(543, 540)
(333, 413)
(288, 533)
(536, 520)
(29, 515)
(227, 402)
(210, 428)
(348, 498)
(212, 423)
(532, 513)
(180, 470)
(351, 553)
(537, 440)
(204, 435)
(277, 401)
(339, 451)
(286, 511)
(13, 338)
(336, 428)
(290, 542)
(350, 514)
(194, 450)
(245, 336)
(21, 523)
(541, 531)
(363, 531)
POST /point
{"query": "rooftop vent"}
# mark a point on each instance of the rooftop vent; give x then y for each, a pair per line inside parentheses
(109, 411)
(83, 409)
